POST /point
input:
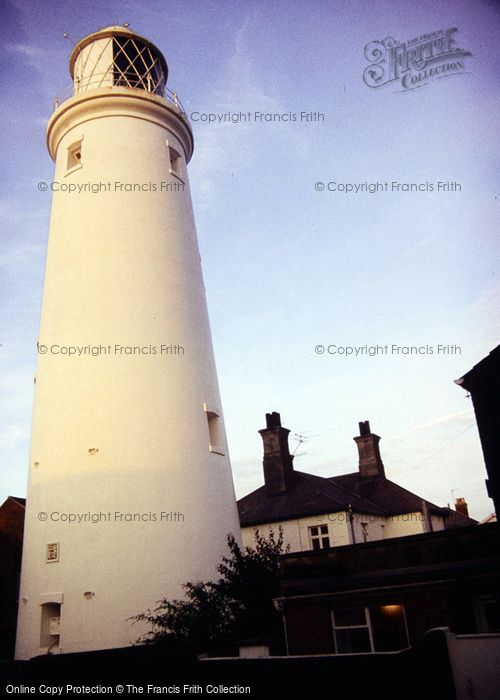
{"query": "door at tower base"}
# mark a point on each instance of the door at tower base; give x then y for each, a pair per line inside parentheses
(130, 491)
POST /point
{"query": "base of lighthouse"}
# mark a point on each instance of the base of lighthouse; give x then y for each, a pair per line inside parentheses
(108, 560)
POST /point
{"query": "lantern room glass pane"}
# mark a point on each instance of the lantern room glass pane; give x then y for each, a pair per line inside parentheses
(135, 65)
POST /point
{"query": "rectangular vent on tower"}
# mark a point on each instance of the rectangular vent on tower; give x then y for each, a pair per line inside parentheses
(74, 156)
(214, 432)
(175, 164)
(52, 553)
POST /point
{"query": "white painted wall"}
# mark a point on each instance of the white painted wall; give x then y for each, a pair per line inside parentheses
(94, 65)
(121, 433)
(296, 532)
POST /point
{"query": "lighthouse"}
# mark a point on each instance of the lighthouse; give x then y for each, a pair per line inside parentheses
(130, 490)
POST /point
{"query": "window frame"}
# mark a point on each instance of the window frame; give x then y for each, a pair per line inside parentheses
(481, 617)
(368, 625)
(320, 537)
(215, 439)
(175, 157)
(49, 612)
(74, 156)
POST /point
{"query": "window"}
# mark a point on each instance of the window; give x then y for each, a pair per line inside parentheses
(364, 532)
(214, 432)
(74, 156)
(351, 631)
(52, 552)
(389, 627)
(318, 535)
(487, 614)
(137, 65)
(175, 164)
(359, 630)
(50, 625)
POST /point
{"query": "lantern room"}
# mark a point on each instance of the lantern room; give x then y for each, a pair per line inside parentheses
(116, 56)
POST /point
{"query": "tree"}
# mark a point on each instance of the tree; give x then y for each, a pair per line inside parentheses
(217, 614)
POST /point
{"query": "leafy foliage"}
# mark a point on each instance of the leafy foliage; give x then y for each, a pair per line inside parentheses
(238, 606)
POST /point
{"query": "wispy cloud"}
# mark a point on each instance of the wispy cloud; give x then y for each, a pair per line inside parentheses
(28, 50)
(441, 422)
(484, 320)
(12, 435)
(225, 146)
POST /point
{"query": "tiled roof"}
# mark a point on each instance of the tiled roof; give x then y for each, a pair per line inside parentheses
(394, 499)
(17, 499)
(313, 495)
(456, 519)
(308, 495)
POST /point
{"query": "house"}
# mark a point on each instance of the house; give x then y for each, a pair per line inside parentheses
(12, 513)
(383, 596)
(483, 384)
(491, 518)
(317, 512)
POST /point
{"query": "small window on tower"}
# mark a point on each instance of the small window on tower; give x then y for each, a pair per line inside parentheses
(75, 156)
(175, 164)
(214, 433)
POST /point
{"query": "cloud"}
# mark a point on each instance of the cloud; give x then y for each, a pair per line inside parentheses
(457, 418)
(483, 319)
(223, 146)
(28, 50)
(12, 435)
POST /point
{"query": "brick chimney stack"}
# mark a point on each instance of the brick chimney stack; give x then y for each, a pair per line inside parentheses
(278, 462)
(370, 461)
(461, 506)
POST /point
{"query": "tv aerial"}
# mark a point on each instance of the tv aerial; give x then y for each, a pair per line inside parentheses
(300, 439)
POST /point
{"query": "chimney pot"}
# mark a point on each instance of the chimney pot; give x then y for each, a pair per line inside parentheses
(273, 420)
(364, 427)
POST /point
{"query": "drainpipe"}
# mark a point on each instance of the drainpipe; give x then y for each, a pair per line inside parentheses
(351, 521)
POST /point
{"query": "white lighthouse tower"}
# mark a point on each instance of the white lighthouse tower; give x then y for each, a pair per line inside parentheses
(130, 489)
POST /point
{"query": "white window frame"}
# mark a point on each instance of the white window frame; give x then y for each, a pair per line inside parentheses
(214, 430)
(74, 160)
(319, 537)
(174, 157)
(367, 626)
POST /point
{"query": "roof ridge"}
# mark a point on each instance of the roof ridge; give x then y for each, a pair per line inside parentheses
(347, 491)
(406, 491)
(18, 499)
(336, 476)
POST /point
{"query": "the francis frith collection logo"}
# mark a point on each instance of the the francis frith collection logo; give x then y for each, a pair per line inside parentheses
(413, 63)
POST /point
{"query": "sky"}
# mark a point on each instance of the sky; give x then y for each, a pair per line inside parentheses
(289, 266)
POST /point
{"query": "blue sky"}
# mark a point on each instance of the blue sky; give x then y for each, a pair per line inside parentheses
(287, 267)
